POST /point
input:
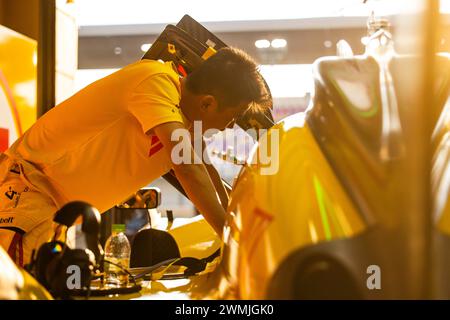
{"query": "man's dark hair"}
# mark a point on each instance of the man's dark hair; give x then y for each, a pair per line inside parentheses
(231, 76)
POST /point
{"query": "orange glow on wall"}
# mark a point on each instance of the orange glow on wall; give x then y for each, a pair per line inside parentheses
(18, 85)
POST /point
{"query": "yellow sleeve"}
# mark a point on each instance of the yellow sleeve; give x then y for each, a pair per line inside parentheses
(155, 101)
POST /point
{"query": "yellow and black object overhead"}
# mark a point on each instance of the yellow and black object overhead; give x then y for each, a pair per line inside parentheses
(187, 45)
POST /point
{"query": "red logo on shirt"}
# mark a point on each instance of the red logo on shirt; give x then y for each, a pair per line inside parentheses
(155, 146)
(4, 139)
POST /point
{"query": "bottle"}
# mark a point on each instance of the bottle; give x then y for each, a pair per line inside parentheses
(117, 251)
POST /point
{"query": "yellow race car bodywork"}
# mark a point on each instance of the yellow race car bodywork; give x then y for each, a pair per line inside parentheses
(16, 283)
(273, 215)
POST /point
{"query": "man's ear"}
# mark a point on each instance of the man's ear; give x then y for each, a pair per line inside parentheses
(208, 103)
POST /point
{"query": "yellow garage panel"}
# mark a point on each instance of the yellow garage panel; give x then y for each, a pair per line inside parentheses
(18, 85)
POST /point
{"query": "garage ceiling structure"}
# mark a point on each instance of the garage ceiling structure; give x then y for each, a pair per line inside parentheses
(113, 46)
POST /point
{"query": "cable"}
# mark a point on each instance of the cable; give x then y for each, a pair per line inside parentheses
(89, 291)
(123, 269)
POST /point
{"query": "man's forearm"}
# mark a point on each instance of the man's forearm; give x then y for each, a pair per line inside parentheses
(199, 187)
(218, 184)
(193, 177)
(216, 179)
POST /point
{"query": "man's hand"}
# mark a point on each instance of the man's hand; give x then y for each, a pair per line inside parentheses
(194, 178)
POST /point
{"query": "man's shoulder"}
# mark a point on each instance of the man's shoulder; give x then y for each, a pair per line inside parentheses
(151, 67)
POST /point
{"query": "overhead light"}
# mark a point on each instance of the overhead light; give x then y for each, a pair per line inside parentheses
(117, 50)
(279, 43)
(145, 47)
(327, 44)
(262, 44)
